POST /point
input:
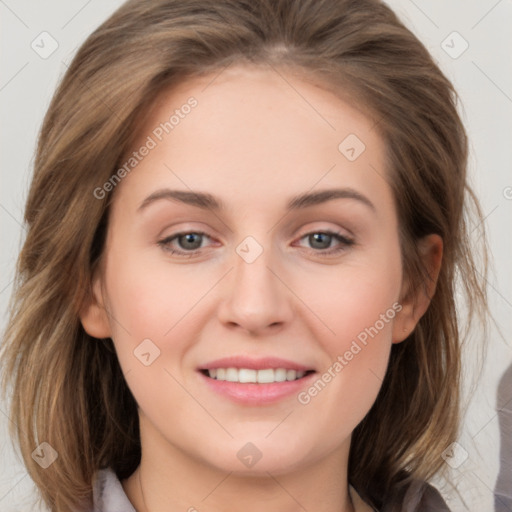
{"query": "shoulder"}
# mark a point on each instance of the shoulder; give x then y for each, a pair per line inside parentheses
(418, 496)
(108, 493)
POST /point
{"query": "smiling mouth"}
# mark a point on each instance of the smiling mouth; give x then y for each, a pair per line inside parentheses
(248, 375)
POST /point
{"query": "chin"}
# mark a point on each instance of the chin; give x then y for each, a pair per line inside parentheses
(258, 459)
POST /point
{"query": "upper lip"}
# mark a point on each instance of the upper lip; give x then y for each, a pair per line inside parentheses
(255, 363)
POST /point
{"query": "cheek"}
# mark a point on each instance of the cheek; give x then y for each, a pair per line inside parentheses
(362, 306)
(147, 298)
(152, 323)
(360, 298)
(359, 307)
(165, 304)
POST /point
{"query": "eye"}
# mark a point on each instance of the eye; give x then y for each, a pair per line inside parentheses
(189, 243)
(321, 241)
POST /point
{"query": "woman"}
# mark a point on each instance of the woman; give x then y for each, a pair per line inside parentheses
(259, 367)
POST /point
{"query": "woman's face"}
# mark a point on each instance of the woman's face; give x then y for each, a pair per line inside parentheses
(275, 273)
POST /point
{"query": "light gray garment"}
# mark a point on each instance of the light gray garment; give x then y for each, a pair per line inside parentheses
(108, 493)
(109, 496)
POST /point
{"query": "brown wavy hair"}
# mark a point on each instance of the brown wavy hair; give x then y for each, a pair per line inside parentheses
(68, 389)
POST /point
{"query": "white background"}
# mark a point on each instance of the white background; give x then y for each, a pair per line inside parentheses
(483, 77)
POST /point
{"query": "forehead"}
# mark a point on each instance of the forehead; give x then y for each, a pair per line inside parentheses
(259, 129)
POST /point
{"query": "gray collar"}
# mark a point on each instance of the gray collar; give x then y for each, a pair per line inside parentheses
(108, 493)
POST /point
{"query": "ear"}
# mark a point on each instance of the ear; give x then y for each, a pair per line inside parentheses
(415, 302)
(93, 315)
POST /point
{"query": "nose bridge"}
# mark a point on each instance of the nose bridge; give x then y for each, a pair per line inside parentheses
(256, 298)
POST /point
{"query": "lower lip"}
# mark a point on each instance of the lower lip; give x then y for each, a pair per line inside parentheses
(257, 394)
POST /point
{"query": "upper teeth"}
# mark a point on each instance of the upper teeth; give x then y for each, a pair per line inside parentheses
(265, 376)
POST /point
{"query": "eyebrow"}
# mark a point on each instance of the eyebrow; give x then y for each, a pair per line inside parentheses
(209, 202)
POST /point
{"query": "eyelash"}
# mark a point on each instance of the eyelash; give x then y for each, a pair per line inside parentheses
(344, 243)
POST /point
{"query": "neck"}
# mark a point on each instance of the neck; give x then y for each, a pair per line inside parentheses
(171, 480)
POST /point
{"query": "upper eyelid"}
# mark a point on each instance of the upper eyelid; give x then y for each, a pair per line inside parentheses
(330, 231)
(205, 231)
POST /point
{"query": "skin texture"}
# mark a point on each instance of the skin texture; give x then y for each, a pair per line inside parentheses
(253, 141)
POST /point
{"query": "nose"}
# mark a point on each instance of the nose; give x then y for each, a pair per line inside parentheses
(256, 298)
